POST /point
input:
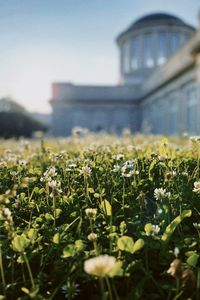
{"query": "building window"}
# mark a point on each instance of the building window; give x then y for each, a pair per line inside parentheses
(173, 117)
(183, 39)
(148, 51)
(162, 48)
(126, 57)
(192, 111)
(175, 41)
(135, 53)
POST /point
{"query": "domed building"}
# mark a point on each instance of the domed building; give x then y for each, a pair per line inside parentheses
(159, 89)
(148, 43)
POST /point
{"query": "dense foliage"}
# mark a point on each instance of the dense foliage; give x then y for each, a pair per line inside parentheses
(7, 104)
(18, 124)
(64, 204)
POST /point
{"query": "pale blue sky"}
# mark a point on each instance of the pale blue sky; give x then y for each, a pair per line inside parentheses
(68, 40)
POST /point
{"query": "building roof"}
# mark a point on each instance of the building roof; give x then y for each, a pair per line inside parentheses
(92, 93)
(155, 18)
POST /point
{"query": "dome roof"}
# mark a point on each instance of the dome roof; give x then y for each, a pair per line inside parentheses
(161, 18)
(158, 17)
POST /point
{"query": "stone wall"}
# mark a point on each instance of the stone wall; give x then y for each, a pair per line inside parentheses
(175, 107)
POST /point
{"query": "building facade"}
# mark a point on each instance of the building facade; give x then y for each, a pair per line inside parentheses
(159, 89)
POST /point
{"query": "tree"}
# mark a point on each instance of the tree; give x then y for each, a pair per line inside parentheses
(7, 105)
(15, 121)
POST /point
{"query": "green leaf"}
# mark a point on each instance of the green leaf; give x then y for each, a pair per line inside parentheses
(117, 270)
(56, 238)
(25, 290)
(36, 189)
(122, 227)
(126, 243)
(147, 228)
(106, 207)
(41, 191)
(73, 249)
(20, 259)
(189, 253)
(49, 217)
(32, 235)
(20, 243)
(58, 212)
(79, 245)
(31, 293)
(90, 190)
(151, 167)
(192, 260)
(138, 245)
(172, 226)
(69, 251)
(96, 195)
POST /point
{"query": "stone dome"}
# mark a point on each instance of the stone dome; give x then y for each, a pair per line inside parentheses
(158, 17)
(155, 18)
(148, 43)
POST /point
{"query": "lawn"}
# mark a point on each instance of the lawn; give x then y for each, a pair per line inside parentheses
(100, 217)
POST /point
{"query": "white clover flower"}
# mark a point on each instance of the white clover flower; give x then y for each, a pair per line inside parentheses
(68, 169)
(7, 151)
(161, 193)
(195, 138)
(55, 186)
(3, 164)
(79, 131)
(92, 237)
(127, 170)
(6, 216)
(86, 171)
(129, 174)
(129, 164)
(100, 266)
(162, 157)
(91, 213)
(17, 202)
(49, 174)
(72, 165)
(6, 212)
(118, 156)
(196, 188)
(155, 229)
(22, 162)
(196, 226)
(176, 251)
(185, 174)
(52, 184)
(116, 168)
(14, 173)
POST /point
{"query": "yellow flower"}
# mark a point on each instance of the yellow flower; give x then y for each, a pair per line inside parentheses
(100, 266)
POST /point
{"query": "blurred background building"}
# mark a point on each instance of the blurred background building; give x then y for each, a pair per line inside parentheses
(159, 88)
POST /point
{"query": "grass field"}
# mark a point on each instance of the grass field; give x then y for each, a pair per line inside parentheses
(100, 217)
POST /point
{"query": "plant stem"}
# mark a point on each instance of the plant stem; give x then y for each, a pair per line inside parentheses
(2, 270)
(114, 290)
(103, 293)
(54, 211)
(29, 270)
(109, 288)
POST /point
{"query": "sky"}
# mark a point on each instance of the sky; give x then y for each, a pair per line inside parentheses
(43, 41)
